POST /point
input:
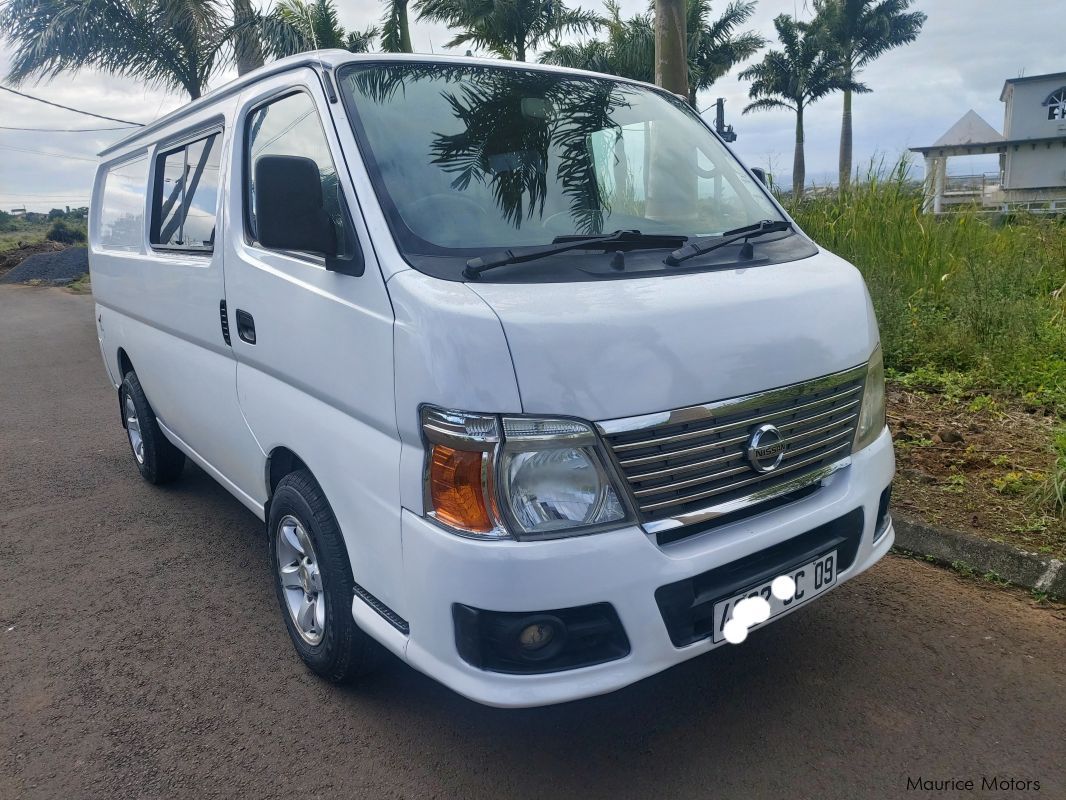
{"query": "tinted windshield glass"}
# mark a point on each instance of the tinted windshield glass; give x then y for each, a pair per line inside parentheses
(473, 158)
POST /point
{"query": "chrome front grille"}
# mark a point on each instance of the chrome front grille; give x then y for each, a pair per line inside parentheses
(691, 465)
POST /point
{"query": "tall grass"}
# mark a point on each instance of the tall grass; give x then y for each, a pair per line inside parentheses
(966, 301)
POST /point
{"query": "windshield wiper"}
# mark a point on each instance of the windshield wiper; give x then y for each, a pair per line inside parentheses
(701, 246)
(633, 238)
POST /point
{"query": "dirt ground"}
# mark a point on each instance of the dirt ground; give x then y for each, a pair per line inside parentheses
(142, 655)
(9, 259)
(976, 465)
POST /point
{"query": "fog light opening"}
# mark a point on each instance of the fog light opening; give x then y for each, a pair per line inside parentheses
(540, 637)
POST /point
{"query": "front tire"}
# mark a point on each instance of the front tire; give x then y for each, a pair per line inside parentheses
(313, 581)
(157, 459)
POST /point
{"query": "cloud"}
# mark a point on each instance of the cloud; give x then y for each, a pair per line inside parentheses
(959, 62)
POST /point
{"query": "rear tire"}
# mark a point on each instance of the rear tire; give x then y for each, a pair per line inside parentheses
(157, 459)
(313, 582)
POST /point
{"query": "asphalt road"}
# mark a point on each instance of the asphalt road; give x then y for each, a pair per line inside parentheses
(142, 655)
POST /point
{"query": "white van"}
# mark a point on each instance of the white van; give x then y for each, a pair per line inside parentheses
(530, 379)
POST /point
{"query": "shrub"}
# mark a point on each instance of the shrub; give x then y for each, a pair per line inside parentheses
(64, 234)
(963, 300)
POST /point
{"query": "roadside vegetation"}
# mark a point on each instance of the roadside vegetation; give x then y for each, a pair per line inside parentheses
(24, 235)
(64, 226)
(972, 309)
(968, 303)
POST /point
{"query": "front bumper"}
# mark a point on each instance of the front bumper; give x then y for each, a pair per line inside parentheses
(623, 568)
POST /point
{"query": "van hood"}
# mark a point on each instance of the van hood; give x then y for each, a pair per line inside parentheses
(619, 348)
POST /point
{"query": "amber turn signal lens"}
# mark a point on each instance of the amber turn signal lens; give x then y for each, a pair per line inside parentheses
(455, 488)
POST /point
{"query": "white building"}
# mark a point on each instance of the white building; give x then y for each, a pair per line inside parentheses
(1032, 152)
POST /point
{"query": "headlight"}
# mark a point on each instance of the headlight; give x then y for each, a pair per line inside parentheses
(872, 413)
(521, 476)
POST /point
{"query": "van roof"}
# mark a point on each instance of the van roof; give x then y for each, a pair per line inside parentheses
(328, 59)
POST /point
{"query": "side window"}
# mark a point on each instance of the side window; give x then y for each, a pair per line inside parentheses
(291, 127)
(186, 195)
(122, 206)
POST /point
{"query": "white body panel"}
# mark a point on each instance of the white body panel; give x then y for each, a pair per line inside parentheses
(342, 364)
(608, 349)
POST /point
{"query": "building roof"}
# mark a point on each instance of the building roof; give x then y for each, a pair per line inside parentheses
(978, 148)
(1027, 78)
(970, 129)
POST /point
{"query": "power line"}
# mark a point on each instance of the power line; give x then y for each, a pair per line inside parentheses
(46, 153)
(61, 130)
(43, 194)
(68, 108)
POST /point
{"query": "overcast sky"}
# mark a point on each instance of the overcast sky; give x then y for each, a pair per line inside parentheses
(967, 49)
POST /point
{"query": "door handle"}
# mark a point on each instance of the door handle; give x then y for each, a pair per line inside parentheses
(245, 326)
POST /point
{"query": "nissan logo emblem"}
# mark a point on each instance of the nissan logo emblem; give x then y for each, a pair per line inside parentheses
(766, 448)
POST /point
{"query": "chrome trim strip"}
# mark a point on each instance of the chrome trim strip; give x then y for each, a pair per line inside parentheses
(711, 512)
(849, 420)
(790, 451)
(709, 462)
(710, 478)
(785, 412)
(843, 403)
(723, 459)
(737, 484)
(629, 462)
(722, 407)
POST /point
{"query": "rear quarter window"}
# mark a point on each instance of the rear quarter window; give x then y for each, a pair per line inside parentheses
(122, 205)
(186, 195)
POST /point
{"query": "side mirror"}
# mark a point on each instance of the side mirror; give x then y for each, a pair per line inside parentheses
(760, 173)
(289, 212)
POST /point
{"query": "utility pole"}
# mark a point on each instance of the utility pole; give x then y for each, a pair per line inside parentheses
(723, 130)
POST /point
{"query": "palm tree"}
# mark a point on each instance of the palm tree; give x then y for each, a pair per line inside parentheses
(793, 78)
(671, 40)
(395, 28)
(247, 44)
(295, 26)
(628, 50)
(173, 44)
(507, 28)
(714, 45)
(860, 31)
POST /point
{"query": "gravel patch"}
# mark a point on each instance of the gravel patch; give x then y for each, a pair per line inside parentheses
(58, 268)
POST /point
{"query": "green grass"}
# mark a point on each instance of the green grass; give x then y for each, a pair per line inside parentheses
(23, 233)
(82, 285)
(1052, 492)
(17, 231)
(968, 304)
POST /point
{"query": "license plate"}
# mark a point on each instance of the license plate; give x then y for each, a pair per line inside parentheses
(811, 580)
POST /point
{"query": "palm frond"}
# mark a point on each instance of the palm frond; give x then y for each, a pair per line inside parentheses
(173, 44)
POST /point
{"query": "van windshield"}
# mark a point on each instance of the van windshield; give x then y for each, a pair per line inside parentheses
(467, 159)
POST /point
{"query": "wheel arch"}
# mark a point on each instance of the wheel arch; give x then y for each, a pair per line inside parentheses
(125, 366)
(280, 463)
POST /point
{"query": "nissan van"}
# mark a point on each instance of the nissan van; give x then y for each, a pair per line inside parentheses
(528, 377)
